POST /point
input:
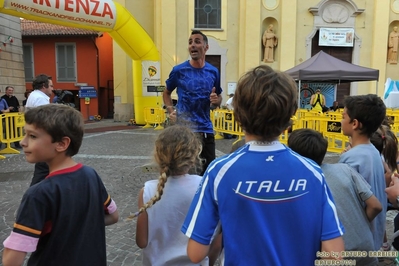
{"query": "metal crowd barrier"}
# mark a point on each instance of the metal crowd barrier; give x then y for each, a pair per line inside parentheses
(12, 130)
(329, 124)
(224, 123)
(393, 119)
(154, 117)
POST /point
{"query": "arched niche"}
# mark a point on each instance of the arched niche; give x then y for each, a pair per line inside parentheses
(391, 27)
(265, 24)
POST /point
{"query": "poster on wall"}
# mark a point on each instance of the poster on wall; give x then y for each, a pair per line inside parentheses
(342, 37)
(151, 74)
(308, 89)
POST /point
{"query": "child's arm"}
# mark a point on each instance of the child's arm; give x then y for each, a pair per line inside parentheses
(112, 214)
(393, 190)
(196, 251)
(111, 218)
(142, 224)
(13, 257)
(215, 249)
(388, 174)
(373, 207)
(333, 247)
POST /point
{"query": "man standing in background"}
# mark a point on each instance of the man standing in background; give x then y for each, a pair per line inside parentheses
(11, 100)
(13, 105)
(42, 89)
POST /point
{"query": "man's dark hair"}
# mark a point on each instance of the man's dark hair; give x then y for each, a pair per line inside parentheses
(203, 35)
(9, 87)
(40, 81)
(309, 143)
(368, 109)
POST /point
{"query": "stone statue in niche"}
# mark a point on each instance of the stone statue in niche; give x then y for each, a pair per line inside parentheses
(393, 46)
(269, 40)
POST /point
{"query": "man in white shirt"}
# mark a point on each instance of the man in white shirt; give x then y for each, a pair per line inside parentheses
(229, 102)
(42, 89)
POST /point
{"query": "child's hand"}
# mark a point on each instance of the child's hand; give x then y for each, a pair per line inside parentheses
(173, 117)
(393, 190)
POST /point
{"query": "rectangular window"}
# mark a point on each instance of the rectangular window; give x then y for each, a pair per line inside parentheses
(28, 62)
(66, 62)
(208, 14)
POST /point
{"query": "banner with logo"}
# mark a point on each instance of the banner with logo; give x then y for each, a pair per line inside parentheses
(100, 13)
(151, 74)
(336, 37)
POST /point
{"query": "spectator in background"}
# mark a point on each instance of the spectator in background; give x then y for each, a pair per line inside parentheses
(26, 94)
(13, 106)
(318, 101)
(11, 100)
(4, 108)
(362, 116)
(42, 89)
(229, 102)
(356, 204)
(335, 106)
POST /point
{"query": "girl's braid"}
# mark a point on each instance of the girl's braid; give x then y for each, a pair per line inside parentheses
(161, 184)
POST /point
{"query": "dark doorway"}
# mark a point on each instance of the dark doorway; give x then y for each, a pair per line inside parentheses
(214, 60)
(106, 100)
(342, 53)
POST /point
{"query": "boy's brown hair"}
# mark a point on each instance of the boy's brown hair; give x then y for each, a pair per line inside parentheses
(58, 121)
(309, 143)
(264, 102)
(368, 109)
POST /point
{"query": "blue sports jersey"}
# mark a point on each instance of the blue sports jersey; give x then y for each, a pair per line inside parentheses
(273, 205)
(194, 87)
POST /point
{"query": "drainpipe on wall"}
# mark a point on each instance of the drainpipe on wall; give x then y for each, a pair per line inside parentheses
(98, 69)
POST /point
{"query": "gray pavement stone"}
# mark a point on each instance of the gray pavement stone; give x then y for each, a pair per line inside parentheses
(118, 157)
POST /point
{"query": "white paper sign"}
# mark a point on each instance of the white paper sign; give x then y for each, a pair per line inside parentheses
(336, 37)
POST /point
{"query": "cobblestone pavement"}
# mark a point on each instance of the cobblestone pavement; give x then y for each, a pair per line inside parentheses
(118, 153)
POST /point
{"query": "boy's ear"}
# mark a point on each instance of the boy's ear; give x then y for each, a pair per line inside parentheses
(356, 124)
(63, 144)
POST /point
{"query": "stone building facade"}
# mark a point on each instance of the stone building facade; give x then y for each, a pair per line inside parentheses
(11, 56)
(236, 43)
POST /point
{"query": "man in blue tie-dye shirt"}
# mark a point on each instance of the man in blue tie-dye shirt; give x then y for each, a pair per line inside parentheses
(198, 87)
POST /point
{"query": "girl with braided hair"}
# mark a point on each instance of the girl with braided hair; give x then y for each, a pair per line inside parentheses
(163, 203)
(386, 142)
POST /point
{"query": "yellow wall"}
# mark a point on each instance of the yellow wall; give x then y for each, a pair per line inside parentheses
(169, 23)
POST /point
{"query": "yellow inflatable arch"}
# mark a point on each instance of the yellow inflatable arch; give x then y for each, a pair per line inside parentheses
(98, 15)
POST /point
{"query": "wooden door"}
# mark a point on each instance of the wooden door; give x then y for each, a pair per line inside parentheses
(342, 53)
(214, 60)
